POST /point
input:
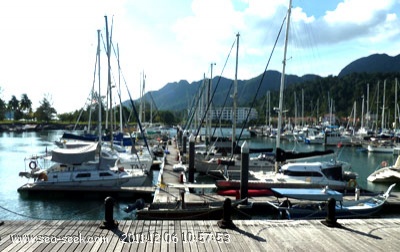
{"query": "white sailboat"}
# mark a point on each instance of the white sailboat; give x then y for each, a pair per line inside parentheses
(305, 174)
(91, 164)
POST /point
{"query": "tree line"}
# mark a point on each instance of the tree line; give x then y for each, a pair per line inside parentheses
(21, 109)
(338, 94)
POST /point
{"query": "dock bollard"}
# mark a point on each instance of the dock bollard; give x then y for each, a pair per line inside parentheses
(109, 222)
(226, 221)
(330, 219)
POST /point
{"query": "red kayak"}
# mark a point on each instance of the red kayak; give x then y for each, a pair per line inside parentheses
(251, 192)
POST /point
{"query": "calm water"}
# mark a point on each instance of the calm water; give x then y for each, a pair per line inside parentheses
(14, 147)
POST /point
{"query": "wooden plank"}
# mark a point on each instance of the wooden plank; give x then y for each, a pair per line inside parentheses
(68, 229)
(209, 235)
(191, 236)
(200, 236)
(231, 237)
(89, 231)
(250, 235)
(152, 235)
(164, 233)
(171, 236)
(134, 235)
(183, 236)
(251, 240)
(21, 236)
(178, 232)
(51, 232)
(6, 229)
(223, 238)
(144, 234)
(100, 233)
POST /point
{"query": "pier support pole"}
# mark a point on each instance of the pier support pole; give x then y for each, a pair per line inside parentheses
(109, 222)
(179, 138)
(244, 173)
(184, 141)
(191, 158)
(330, 219)
(226, 221)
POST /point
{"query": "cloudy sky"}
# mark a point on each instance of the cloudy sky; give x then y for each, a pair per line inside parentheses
(48, 47)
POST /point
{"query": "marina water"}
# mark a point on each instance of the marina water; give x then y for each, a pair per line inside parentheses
(14, 147)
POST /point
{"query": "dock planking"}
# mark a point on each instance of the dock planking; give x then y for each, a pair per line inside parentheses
(155, 235)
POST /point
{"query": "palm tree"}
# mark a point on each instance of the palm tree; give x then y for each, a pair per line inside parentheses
(26, 106)
(13, 105)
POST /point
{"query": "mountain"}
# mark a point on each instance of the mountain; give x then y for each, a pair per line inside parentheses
(375, 63)
(180, 95)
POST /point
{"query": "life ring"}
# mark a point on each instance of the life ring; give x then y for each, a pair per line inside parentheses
(32, 165)
(384, 164)
(352, 183)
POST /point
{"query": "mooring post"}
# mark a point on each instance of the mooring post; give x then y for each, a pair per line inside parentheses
(184, 141)
(109, 222)
(191, 158)
(226, 221)
(330, 219)
(179, 137)
(244, 173)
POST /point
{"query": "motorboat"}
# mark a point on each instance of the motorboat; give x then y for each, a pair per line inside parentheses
(334, 174)
(312, 203)
(329, 137)
(387, 173)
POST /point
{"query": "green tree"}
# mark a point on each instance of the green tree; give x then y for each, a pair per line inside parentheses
(2, 109)
(25, 106)
(45, 111)
(13, 105)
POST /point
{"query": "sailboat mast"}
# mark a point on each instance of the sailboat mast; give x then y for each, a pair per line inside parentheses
(119, 86)
(109, 82)
(99, 95)
(383, 106)
(377, 110)
(234, 118)
(395, 107)
(278, 135)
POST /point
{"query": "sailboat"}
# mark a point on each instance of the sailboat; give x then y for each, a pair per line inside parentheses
(384, 142)
(88, 166)
(295, 174)
(220, 163)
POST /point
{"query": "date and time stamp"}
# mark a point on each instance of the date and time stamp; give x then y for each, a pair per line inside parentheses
(140, 237)
(176, 237)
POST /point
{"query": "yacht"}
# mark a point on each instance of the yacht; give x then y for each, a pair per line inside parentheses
(83, 167)
(318, 174)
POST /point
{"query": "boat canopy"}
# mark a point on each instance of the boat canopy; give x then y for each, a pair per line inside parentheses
(75, 155)
(313, 194)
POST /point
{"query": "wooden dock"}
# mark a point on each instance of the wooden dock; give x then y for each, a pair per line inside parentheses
(156, 235)
(168, 191)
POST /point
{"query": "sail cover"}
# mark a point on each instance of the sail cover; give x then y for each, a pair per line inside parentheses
(75, 155)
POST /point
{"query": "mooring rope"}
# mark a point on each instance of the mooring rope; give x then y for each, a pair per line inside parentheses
(41, 218)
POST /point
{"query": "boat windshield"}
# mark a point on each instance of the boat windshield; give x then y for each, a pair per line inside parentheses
(334, 173)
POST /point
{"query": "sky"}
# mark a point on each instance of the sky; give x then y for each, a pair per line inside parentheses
(48, 47)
